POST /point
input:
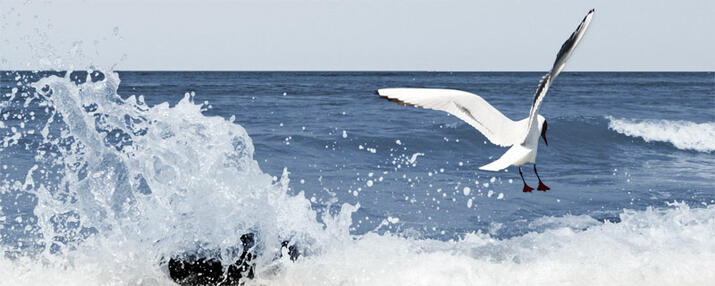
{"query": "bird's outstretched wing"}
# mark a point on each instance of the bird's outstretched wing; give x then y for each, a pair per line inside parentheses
(568, 47)
(466, 106)
(564, 53)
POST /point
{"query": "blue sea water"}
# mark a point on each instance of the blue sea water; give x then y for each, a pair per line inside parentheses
(100, 169)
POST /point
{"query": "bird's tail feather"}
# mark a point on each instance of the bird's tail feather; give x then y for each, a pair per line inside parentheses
(516, 155)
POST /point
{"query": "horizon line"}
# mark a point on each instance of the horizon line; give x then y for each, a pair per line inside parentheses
(381, 71)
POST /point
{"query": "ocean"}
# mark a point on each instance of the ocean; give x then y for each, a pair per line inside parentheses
(103, 175)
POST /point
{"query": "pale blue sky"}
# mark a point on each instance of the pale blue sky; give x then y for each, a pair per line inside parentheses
(450, 35)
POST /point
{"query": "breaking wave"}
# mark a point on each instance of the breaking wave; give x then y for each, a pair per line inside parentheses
(120, 186)
(684, 135)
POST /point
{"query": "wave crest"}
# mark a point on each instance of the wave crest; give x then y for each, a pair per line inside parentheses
(684, 135)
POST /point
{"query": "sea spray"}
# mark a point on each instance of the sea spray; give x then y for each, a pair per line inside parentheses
(123, 185)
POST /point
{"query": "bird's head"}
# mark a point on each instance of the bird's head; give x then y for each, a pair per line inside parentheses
(544, 126)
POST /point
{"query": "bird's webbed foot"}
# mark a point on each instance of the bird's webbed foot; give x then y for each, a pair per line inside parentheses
(542, 187)
(527, 188)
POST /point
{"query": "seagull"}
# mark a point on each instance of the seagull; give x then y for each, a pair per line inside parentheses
(521, 136)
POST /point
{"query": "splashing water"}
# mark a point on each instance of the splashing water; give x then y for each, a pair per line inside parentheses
(125, 185)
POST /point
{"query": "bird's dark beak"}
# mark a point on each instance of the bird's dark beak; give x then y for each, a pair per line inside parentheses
(543, 133)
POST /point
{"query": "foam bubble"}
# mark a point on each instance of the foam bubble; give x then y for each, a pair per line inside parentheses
(685, 135)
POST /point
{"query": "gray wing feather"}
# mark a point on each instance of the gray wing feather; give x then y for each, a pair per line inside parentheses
(568, 47)
(563, 55)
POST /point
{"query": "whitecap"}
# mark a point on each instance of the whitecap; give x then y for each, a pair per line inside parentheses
(684, 135)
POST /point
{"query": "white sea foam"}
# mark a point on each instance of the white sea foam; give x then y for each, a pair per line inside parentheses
(683, 135)
(667, 246)
(671, 246)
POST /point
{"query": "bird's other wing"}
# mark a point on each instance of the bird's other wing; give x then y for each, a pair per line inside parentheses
(564, 53)
(466, 106)
(544, 85)
(568, 47)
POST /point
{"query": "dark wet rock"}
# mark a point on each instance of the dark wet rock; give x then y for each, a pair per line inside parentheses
(189, 269)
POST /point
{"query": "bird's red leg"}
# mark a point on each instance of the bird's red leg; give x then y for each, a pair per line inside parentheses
(541, 187)
(527, 189)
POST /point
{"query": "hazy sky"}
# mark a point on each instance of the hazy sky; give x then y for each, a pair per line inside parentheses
(354, 35)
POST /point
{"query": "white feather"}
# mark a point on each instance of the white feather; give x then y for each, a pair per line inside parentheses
(469, 107)
(517, 155)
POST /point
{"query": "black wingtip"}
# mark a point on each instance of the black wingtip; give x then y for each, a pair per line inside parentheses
(592, 10)
(377, 91)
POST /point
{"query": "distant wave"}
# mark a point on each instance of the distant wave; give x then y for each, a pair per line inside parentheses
(684, 135)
